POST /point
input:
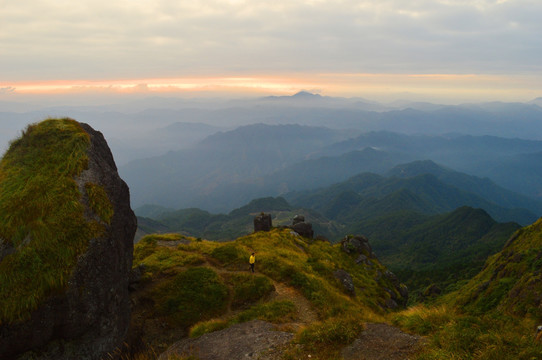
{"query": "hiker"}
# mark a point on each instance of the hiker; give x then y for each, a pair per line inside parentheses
(538, 333)
(251, 261)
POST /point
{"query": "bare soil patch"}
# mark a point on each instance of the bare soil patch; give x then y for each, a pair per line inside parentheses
(251, 340)
(382, 342)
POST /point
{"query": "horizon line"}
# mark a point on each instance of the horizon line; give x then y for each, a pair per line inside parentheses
(476, 86)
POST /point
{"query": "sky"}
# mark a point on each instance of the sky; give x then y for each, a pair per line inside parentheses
(452, 50)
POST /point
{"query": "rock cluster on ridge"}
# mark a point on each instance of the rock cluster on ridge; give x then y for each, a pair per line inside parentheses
(301, 227)
(263, 222)
(84, 312)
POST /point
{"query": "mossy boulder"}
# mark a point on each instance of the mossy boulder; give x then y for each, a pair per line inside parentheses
(66, 243)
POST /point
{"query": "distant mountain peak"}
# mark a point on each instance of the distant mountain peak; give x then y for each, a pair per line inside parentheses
(306, 95)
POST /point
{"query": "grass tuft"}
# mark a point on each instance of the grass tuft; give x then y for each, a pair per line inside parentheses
(332, 332)
(248, 288)
(195, 294)
(99, 202)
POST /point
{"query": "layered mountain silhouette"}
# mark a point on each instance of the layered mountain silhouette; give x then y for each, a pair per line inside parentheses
(369, 195)
(231, 168)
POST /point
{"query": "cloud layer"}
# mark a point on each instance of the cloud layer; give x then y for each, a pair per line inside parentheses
(43, 40)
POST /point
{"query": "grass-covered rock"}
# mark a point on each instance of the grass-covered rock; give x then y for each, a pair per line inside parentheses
(41, 216)
(66, 232)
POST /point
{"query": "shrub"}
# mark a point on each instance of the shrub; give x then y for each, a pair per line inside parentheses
(207, 327)
(193, 295)
(248, 288)
(231, 254)
(276, 312)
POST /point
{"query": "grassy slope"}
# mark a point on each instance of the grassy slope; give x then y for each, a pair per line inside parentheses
(511, 280)
(41, 214)
(495, 314)
(419, 249)
(442, 249)
(225, 292)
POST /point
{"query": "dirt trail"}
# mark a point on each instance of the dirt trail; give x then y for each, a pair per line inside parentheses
(377, 342)
(257, 340)
(306, 314)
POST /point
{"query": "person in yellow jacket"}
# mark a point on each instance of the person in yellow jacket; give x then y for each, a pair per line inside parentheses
(251, 261)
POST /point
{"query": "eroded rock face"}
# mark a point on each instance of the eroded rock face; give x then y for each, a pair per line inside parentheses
(90, 318)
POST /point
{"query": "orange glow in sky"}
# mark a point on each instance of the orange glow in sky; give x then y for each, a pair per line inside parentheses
(373, 86)
(256, 84)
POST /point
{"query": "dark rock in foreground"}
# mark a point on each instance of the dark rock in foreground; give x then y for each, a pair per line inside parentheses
(89, 318)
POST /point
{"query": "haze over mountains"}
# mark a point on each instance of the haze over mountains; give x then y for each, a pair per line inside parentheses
(229, 169)
(218, 155)
(129, 123)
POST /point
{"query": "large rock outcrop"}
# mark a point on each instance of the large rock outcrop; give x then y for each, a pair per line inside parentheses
(77, 232)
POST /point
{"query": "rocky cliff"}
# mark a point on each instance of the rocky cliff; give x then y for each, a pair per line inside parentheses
(66, 232)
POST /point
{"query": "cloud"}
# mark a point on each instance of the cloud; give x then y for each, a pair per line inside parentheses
(98, 39)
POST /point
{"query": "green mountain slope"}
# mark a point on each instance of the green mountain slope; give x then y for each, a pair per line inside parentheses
(442, 249)
(511, 280)
(376, 195)
(483, 187)
(495, 315)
